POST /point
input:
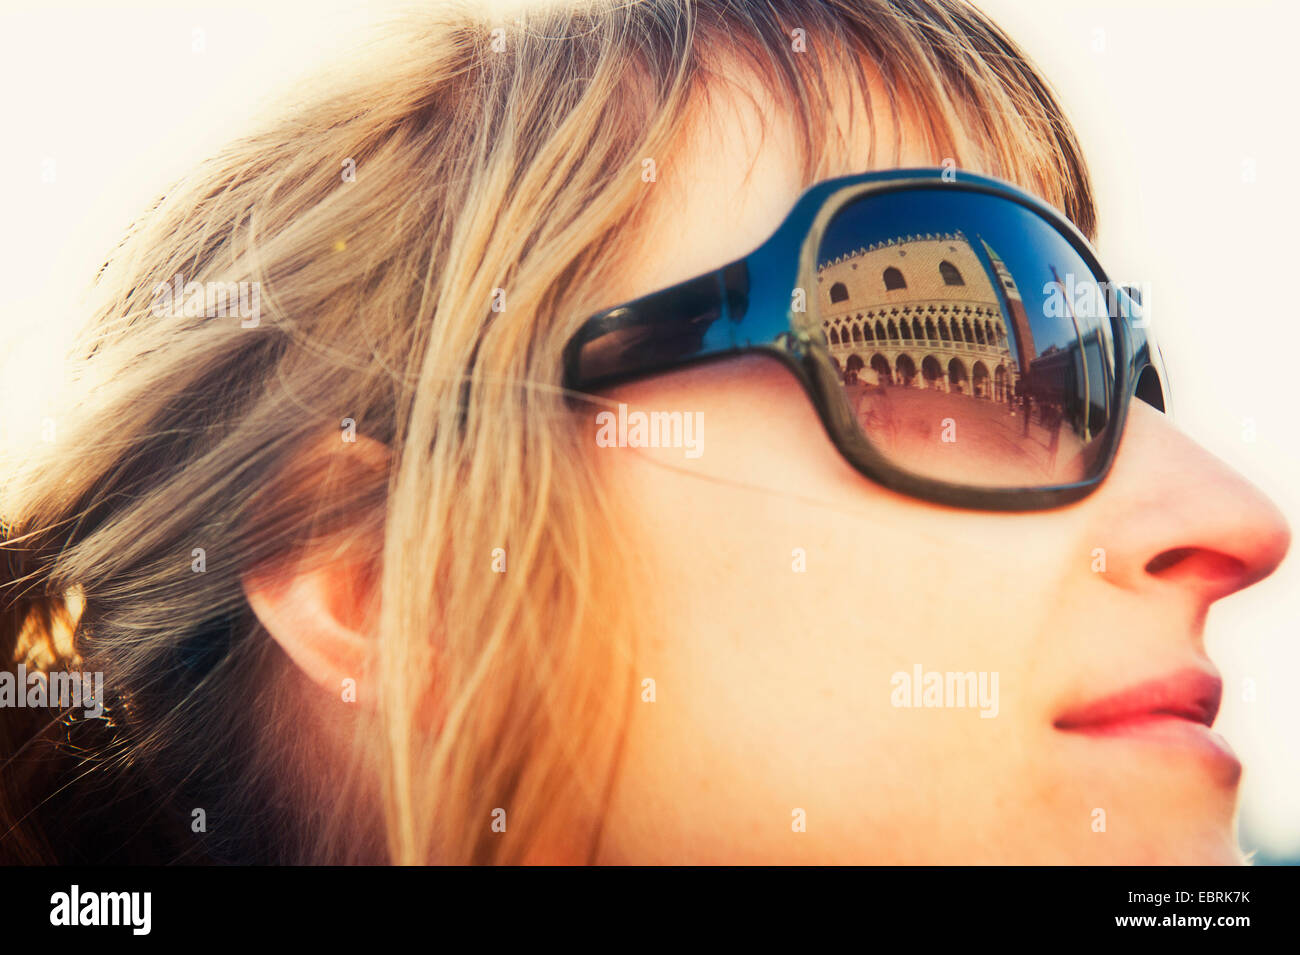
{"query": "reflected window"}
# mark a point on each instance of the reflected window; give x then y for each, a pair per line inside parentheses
(950, 273)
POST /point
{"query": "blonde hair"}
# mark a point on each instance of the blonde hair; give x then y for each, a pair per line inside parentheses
(477, 169)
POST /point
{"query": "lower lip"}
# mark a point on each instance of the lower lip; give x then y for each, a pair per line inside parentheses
(1168, 731)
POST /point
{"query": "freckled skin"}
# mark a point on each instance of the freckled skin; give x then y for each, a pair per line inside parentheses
(773, 686)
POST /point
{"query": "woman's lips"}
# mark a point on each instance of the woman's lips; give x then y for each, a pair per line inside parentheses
(1188, 694)
(1174, 710)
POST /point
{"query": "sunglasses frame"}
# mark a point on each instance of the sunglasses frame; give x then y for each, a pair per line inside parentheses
(747, 307)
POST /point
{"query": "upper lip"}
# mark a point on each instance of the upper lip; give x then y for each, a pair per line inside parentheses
(1189, 694)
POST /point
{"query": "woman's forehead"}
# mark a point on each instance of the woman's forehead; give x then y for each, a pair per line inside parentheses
(741, 164)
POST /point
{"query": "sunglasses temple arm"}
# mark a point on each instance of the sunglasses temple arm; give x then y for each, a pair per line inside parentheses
(691, 321)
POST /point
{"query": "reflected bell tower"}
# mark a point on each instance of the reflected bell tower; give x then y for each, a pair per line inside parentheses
(1019, 318)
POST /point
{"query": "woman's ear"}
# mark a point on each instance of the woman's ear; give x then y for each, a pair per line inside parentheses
(315, 613)
(320, 601)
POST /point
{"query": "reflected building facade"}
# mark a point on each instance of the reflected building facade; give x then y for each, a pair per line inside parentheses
(921, 311)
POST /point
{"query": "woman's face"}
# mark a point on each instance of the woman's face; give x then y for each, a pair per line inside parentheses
(779, 592)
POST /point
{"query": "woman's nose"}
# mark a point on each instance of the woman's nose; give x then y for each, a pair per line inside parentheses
(1170, 514)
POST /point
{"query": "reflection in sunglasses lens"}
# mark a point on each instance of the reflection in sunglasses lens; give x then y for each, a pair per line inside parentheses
(972, 339)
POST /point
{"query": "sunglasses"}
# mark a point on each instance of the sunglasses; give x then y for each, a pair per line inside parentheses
(957, 336)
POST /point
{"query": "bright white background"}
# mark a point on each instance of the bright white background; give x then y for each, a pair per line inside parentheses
(1187, 113)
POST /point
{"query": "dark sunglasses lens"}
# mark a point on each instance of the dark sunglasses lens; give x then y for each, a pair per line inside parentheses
(973, 341)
